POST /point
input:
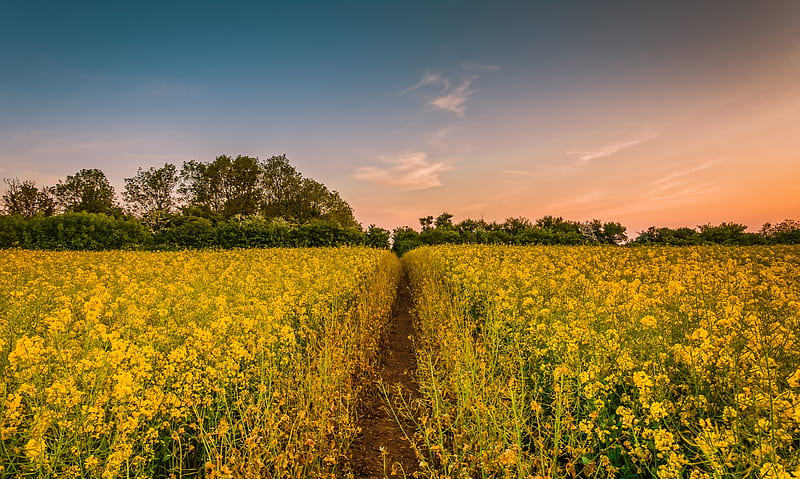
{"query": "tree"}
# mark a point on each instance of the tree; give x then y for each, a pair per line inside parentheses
(724, 233)
(315, 201)
(614, 233)
(471, 226)
(25, 199)
(426, 223)
(558, 224)
(376, 237)
(226, 186)
(405, 239)
(604, 233)
(282, 184)
(444, 220)
(516, 225)
(785, 232)
(247, 186)
(87, 190)
(679, 236)
(152, 190)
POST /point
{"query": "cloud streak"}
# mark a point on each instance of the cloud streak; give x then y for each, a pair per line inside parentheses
(678, 184)
(685, 193)
(454, 100)
(681, 173)
(609, 149)
(450, 94)
(410, 171)
(428, 79)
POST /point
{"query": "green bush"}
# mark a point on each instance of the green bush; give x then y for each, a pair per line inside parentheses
(73, 231)
(187, 232)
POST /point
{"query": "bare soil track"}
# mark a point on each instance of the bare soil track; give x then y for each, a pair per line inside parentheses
(382, 448)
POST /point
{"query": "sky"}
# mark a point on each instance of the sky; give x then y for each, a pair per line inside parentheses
(675, 113)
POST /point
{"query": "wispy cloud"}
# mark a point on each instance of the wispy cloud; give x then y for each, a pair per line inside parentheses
(454, 100)
(685, 193)
(410, 171)
(684, 172)
(681, 184)
(450, 93)
(610, 148)
(429, 79)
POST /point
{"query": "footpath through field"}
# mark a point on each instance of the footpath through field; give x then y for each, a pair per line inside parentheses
(382, 449)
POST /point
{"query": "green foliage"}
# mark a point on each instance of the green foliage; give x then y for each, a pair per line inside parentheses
(377, 237)
(606, 233)
(273, 189)
(548, 230)
(187, 232)
(444, 221)
(95, 231)
(679, 236)
(320, 234)
(151, 191)
(253, 233)
(87, 190)
(724, 234)
(785, 232)
(439, 235)
(73, 231)
(14, 232)
(25, 199)
(227, 186)
(405, 239)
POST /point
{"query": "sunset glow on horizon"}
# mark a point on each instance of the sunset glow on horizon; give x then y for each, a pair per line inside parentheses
(649, 114)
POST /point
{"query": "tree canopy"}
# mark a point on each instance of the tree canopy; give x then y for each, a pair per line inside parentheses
(23, 198)
(243, 201)
(88, 191)
(273, 189)
(152, 190)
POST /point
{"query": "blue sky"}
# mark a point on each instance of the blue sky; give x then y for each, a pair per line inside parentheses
(640, 112)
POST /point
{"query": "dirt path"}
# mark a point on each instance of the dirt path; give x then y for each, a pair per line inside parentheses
(382, 447)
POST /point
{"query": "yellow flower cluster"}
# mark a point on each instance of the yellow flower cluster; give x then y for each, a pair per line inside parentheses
(216, 364)
(608, 362)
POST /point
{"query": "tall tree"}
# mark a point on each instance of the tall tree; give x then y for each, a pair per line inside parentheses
(558, 224)
(444, 220)
(605, 233)
(315, 201)
(288, 195)
(516, 225)
(282, 187)
(25, 199)
(426, 222)
(274, 189)
(87, 190)
(152, 190)
(226, 186)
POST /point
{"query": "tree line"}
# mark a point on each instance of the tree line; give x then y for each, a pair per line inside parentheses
(228, 202)
(225, 187)
(552, 230)
(245, 202)
(548, 230)
(785, 232)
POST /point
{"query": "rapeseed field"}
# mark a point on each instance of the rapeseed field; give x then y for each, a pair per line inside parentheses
(187, 364)
(607, 362)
